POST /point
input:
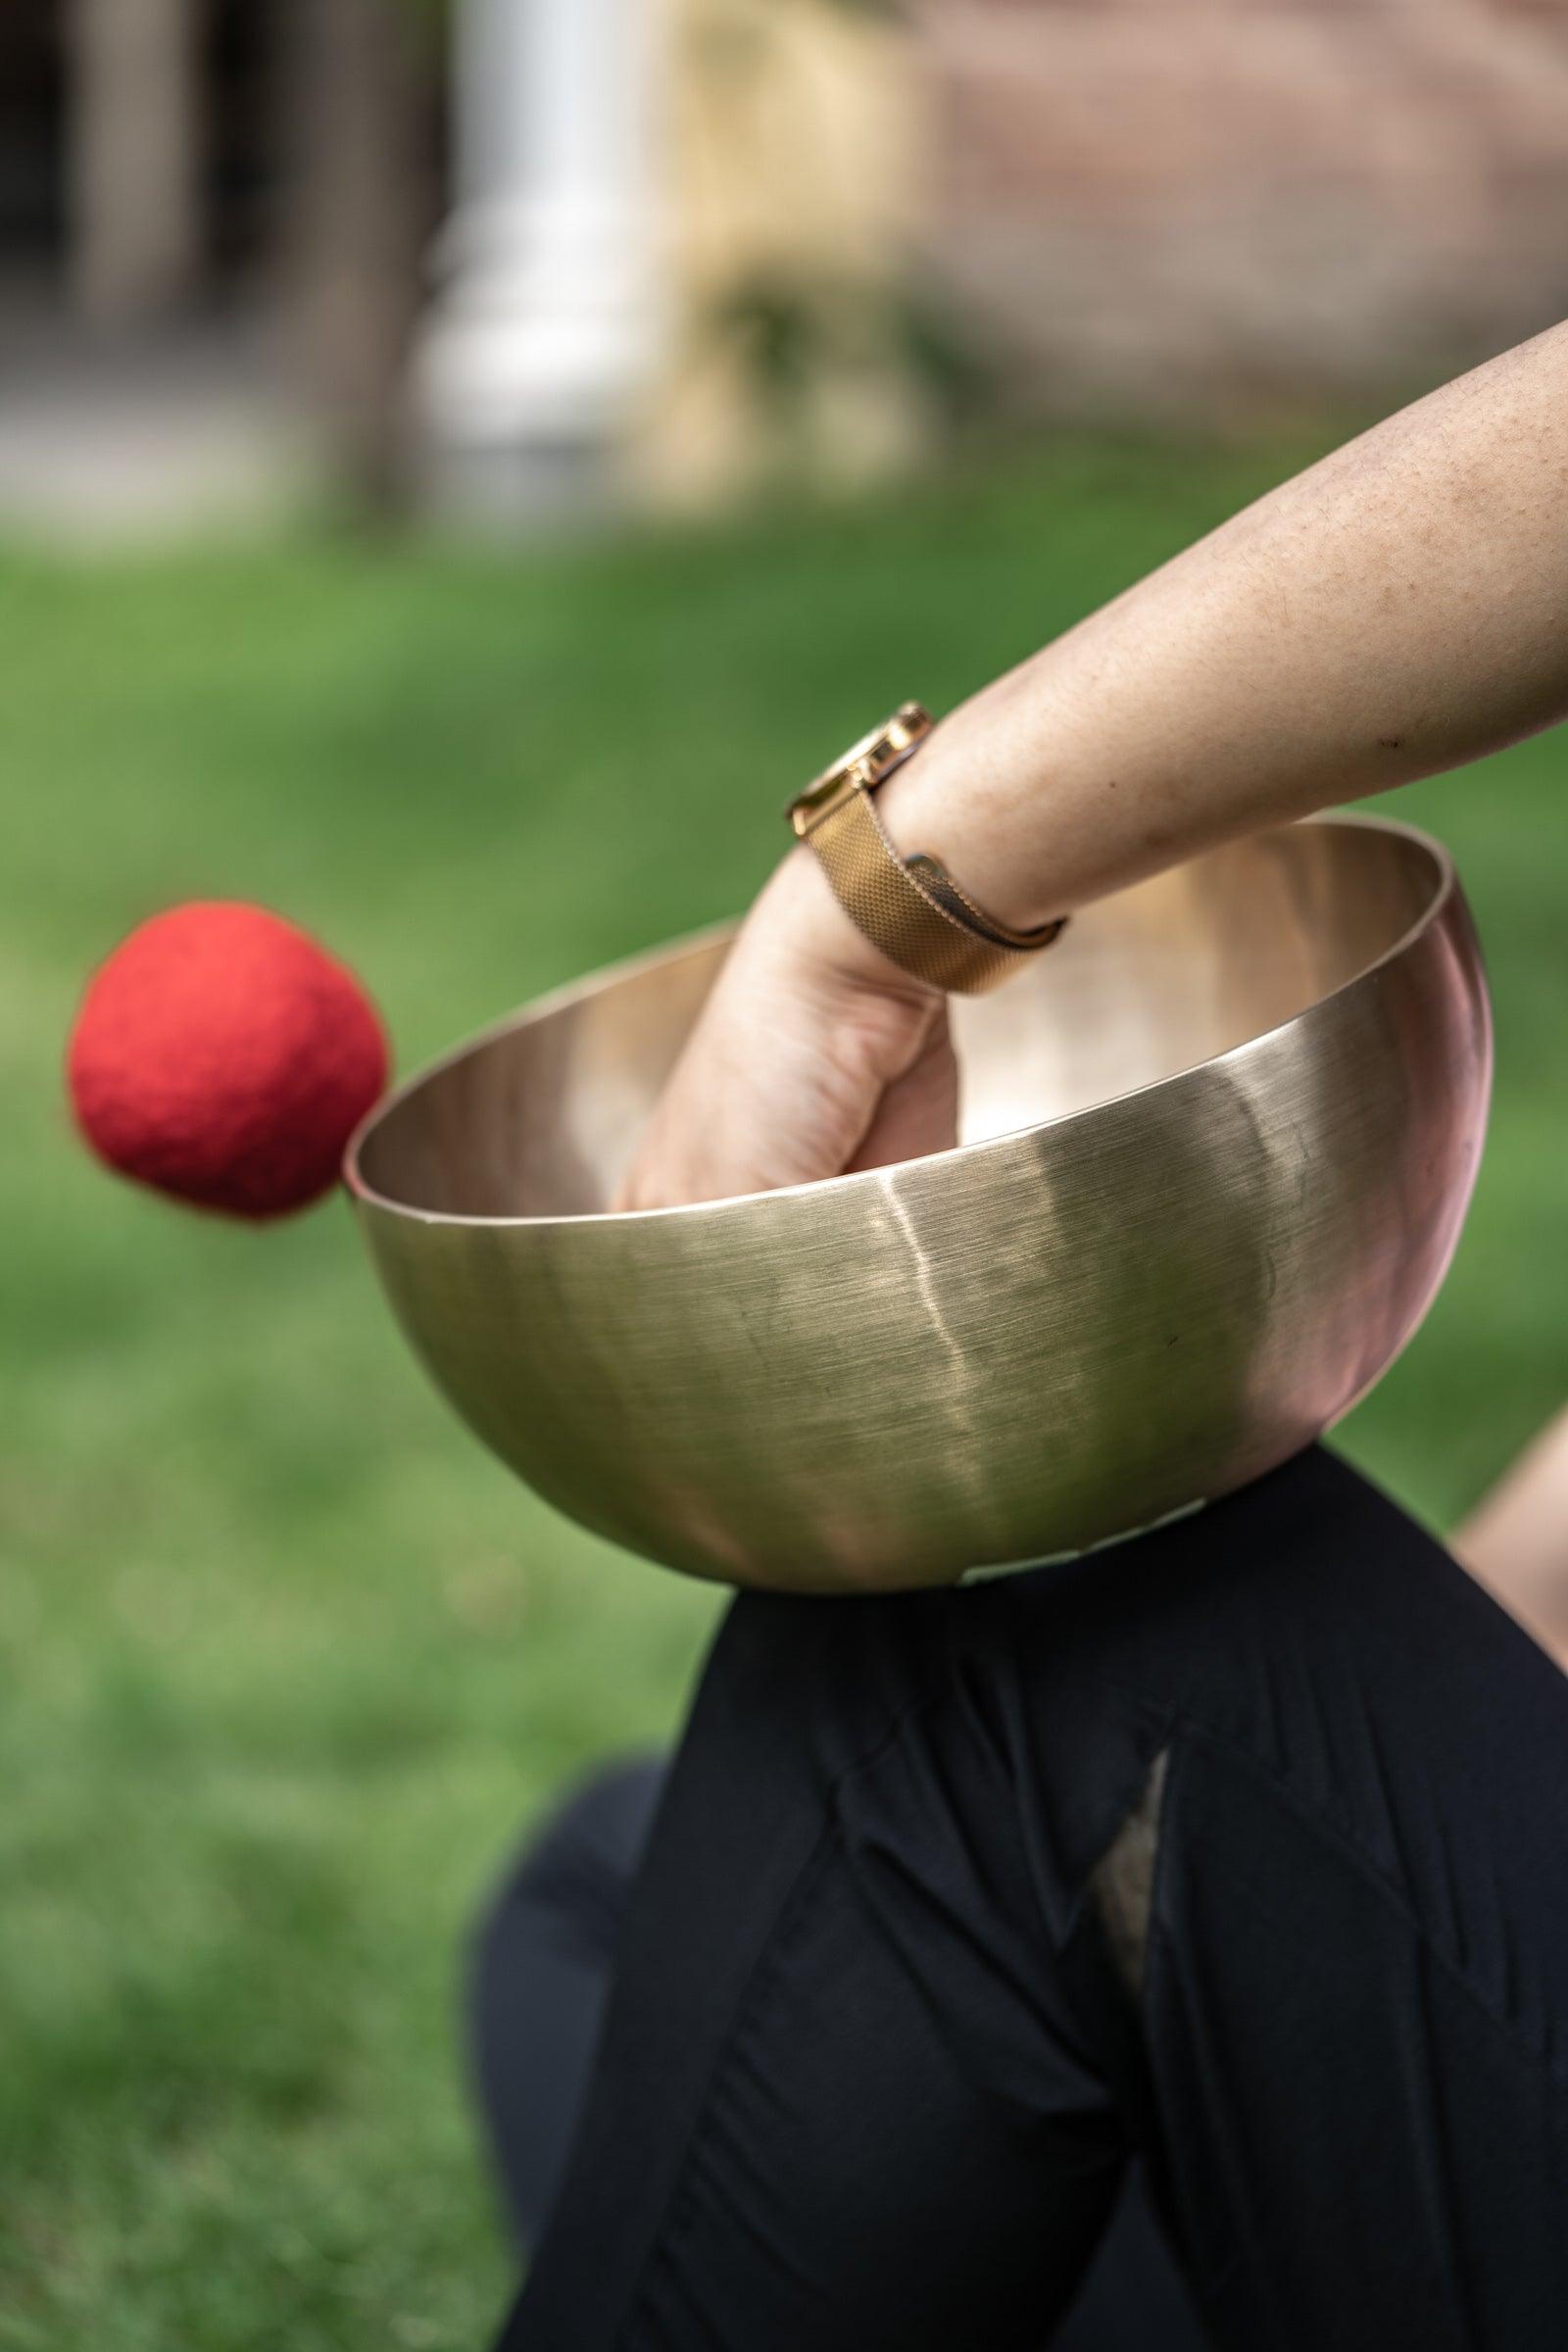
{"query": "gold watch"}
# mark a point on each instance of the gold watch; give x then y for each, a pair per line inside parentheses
(909, 907)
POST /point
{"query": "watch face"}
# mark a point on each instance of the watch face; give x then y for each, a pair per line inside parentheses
(867, 761)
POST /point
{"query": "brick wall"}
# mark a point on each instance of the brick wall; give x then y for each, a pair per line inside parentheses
(1170, 201)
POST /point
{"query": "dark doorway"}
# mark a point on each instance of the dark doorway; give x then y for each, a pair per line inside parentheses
(240, 133)
(32, 139)
(247, 163)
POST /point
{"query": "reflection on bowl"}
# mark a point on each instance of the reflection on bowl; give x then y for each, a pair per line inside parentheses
(1217, 1149)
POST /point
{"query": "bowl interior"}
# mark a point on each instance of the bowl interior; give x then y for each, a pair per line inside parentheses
(538, 1117)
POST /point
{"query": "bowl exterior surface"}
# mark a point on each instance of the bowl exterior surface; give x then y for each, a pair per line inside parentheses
(1011, 1352)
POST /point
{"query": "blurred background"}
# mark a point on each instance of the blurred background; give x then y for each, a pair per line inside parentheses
(451, 457)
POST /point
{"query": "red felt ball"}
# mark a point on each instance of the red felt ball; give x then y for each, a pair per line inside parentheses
(222, 1055)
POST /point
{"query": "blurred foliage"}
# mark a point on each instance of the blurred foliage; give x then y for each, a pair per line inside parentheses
(288, 1659)
(739, 33)
(793, 329)
(804, 326)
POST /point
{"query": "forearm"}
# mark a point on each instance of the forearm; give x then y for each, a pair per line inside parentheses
(1398, 610)
(1516, 1540)
(1402, 608)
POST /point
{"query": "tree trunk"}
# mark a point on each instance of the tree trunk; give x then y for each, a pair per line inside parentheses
(135, 157)
(359, 81)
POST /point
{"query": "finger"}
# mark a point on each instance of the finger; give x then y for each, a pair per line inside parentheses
(920, 1111)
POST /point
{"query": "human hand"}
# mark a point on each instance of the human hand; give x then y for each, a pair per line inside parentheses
(814, 1054)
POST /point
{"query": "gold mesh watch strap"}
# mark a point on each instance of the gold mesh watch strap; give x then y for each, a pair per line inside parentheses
(910, 908)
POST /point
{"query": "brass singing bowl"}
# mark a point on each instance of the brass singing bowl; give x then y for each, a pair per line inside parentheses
(1217, 1148)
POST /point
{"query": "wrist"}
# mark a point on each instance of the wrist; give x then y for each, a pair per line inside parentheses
(830, 951)
(970, 799)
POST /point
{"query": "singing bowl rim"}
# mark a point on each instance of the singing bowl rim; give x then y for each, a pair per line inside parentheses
(629, 968)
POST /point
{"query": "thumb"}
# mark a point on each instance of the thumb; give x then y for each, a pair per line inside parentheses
(918, 1113)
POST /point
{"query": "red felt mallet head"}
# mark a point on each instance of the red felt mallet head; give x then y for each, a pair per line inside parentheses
(224, 1057)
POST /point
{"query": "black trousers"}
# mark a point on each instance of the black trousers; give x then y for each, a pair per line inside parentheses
(544, 1964)
(1242, 1851)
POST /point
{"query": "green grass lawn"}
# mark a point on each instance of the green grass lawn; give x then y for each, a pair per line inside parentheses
(288, 1659)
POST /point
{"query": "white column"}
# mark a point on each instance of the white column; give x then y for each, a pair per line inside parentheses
(547, 326)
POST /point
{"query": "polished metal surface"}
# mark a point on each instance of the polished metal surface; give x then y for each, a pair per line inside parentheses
(1217, 1149)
